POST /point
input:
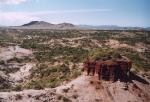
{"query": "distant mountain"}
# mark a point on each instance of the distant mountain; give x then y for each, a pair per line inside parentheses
(148, 28)
(110, 27)
(46, 25)
(38, 23)
(62, 25)
(102, 27)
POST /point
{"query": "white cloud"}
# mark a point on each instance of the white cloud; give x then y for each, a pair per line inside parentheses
(15, 18)
(70, 11)
(11, 1)
(18, 18)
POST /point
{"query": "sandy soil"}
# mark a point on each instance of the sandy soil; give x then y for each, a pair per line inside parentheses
(89, 89)
(29, 96)
(73, 39)
(84, 89)
(139, 47)
(81, 90)
(22, 74)
(96, 42)
(13, 51)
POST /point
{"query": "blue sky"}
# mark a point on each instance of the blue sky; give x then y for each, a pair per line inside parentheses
(89, 12)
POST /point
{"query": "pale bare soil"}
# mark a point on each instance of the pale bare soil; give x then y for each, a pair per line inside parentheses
(84, 89)
(76, 42)
(13, 51)
(29, 96)
(139, 47)
(22, 74)
(90, 89)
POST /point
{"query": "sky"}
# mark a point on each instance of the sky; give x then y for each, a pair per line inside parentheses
(87, 12)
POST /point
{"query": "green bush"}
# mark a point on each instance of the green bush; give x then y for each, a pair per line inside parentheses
(44, 76)
(18, 88)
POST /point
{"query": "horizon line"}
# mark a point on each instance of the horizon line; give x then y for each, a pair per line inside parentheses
(94, 25)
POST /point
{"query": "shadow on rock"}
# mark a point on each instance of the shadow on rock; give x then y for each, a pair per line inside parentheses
(137, 78)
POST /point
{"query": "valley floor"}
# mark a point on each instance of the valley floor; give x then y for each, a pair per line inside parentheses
(51, 60)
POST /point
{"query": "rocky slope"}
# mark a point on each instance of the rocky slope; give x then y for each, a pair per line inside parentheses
(85, 89)
(46, 25)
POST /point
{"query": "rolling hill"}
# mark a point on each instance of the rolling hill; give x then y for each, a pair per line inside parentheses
(46, 25)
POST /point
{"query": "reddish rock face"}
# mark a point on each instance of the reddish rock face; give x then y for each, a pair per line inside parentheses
(109, 69)
(89, 66)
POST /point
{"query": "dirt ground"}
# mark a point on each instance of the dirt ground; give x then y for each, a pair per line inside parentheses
(85, 89)
(90, 89)
(82, 89)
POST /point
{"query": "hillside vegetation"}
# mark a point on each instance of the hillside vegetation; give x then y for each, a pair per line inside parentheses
(59, 54)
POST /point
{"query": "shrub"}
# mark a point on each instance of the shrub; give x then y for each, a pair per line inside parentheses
(44, 76)
(18, 97)
(75, 96)
(66, 99)
(66, 90)
(17, 88)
